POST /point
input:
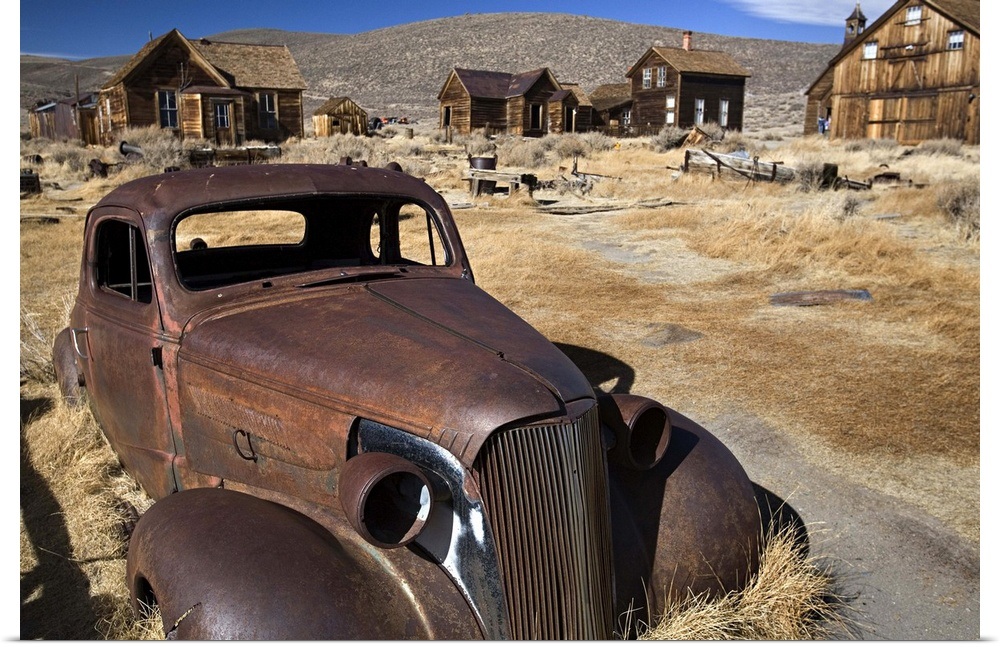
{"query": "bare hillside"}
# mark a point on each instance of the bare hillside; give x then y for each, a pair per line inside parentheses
(399, 70)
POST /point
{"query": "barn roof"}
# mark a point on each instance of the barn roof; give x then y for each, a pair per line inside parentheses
(578, 92)
(333, 105)
(484, 84)
(694, 61)
(233, 64)
(254, 66)
(611, 95)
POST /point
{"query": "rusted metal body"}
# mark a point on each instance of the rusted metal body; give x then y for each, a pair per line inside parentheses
(331, 426)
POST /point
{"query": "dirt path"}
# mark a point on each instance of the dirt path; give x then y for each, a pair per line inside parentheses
(908, 575)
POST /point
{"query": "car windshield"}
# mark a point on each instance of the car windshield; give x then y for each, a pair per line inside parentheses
(242, 242)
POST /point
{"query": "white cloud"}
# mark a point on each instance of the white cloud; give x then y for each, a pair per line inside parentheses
(811, 12)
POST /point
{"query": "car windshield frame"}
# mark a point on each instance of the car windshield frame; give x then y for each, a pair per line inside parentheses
(344, 236)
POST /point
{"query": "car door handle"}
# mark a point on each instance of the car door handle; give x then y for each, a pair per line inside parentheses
(76, 341)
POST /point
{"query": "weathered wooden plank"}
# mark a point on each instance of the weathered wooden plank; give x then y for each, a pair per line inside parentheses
(700, 159)
(818, 297)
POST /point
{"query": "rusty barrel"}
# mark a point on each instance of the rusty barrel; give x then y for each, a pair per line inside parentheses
(485, 164)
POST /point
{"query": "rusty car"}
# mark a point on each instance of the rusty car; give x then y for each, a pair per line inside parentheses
(345, 437)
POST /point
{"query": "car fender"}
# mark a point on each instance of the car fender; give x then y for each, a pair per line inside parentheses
(68, 374)
(222, 564)
(690, 524)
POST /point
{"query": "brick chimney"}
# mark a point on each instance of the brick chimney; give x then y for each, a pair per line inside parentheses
(687, 41)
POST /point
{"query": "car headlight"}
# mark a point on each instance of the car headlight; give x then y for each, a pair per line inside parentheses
(387, 499)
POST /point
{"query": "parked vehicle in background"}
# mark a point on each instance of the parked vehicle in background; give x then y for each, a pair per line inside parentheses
(347, 438)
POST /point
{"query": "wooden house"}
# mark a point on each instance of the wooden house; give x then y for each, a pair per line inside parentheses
(685, 87)
(69, 119)
(912, 75)
(498, 102)
(612, 107)
(226, 93)
(570, 110)
(339, 115)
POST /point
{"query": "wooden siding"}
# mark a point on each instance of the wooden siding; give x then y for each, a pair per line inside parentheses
(170, 66)
(459, 104)
(192, 117)
(649, 105)
(915, 89)
(535, 99)
(818, 103)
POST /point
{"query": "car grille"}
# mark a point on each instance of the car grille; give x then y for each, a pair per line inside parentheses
(545, 491)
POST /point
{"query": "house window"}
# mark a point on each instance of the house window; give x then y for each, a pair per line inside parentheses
(268, 111)
(671, 110)
(956, 39)
(913, 15)
(870, 50)
(167, 100)
(699, 111)
(626, 117)
(724, 112)
(536, 116)
(661, 77)
(222, 115)
(647, 78)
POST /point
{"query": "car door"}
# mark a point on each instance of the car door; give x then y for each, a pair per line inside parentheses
(121, 350)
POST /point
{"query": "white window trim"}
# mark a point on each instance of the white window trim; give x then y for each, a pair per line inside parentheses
(917, 10)
(724, 112)
(647, 78)
(956, 40)
(869, 50)
(699, 111)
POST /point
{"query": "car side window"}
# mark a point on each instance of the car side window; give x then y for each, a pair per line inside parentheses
(419, 241)
(122, 261)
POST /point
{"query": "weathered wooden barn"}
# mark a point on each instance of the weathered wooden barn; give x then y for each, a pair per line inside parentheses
(498, 102)
(69, 119)
(612, 105)
(339, 116)
(226, 93)
(912, 75)
(685, 87)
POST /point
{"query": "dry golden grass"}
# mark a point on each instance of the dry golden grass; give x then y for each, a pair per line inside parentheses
(673, 302)
(792, 597)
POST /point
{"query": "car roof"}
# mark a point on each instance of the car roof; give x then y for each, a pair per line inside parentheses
(158, 198)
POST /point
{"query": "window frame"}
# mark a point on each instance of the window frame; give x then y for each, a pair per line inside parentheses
(869, 51)
(724, 112)
(267, 115)
(956, 40)
(221, 111)
(910, 20)
(647, 78)
(164, 98)
(661, 76)
(699, 112)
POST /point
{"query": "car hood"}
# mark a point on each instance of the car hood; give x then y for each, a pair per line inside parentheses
(438, 357)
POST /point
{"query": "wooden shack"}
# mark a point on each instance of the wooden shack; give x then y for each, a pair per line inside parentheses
(69, 119)
(570, 110)
(499, 102)
(612, 107)
(339, 116)
(227, 93)
(911, 76)
(685, 87)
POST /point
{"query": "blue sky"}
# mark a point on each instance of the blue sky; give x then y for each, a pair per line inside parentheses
(91, 28)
